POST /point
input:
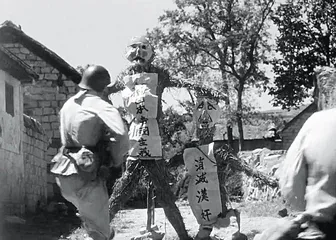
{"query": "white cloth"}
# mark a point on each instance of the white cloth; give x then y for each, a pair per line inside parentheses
(308, 177)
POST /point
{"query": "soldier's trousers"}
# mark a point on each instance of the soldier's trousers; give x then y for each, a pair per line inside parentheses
(91, 200)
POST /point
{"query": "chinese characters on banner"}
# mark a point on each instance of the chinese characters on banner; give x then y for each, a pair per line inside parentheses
(142, 102)
(203, 191)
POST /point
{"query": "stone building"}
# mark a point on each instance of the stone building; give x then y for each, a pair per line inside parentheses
(22, 141)
(53, 82)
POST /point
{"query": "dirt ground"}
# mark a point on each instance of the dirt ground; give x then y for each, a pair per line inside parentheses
(128, 224)
(40, 227)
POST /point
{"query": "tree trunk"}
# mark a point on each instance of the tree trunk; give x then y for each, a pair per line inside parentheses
(241, 132)
(239, 115)
(229, 135)
(225, 89)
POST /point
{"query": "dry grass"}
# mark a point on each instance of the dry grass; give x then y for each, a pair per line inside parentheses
(263, 208)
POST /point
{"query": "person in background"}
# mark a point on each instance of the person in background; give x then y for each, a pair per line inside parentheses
(94, 138)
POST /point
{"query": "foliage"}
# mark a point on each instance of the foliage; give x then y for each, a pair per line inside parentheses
(203, 37)
(170, 123)
(265, 120)
(307, 39)
(176, 130)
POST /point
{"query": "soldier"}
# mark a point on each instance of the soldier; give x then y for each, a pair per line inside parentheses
(94, 138)
(308, 173)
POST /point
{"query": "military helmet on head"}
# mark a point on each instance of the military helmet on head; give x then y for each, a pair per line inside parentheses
(96, 78)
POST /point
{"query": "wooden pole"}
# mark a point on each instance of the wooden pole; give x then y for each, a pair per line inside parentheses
(150, 214)
(153, 205)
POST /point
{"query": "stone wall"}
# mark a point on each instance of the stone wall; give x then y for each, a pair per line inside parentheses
(34, 146)
(12, 181)
(23, 145)
(291, 130)
(44, 98)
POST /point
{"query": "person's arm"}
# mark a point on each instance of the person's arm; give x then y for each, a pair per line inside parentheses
(294, 171)
(119, 141)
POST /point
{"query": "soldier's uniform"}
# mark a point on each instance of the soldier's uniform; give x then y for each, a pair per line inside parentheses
(85, 122)
(308, 181)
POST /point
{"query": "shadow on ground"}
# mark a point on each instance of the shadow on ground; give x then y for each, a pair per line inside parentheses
(41, 227)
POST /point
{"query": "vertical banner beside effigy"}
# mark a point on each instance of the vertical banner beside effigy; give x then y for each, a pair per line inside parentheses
(142, 102)
(203, 190)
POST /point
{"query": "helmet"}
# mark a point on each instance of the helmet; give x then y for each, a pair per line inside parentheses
(95, 78)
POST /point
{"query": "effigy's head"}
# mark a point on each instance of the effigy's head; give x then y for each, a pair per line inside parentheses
(140, 51)
(206, 113)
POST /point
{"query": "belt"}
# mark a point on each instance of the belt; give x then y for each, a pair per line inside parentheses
(76, 149)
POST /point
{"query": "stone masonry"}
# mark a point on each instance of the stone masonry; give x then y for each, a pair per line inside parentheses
(44, 98)
(34, 146)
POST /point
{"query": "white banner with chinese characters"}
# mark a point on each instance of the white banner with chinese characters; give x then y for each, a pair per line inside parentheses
(148, 79)
(142, 102)
(203, 191)
(140, 95)
(145, 140)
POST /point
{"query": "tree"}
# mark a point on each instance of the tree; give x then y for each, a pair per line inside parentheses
(307, 39)
(226, 36)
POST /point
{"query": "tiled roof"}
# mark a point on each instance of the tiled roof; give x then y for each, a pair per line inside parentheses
(11, 33)
(15, 66)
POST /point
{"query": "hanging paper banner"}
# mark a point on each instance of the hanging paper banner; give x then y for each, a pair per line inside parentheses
(144, 127)
(140, 95)
(145, 140)
(142, 102)
(148, 79)
(142, 105)
(203, 191)
(146, 148)
(206, 113)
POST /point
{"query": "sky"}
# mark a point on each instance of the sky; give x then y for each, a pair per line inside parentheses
(90, 31)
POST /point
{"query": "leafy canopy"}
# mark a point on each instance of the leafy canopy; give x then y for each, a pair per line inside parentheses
(307, 39)
(202, 36)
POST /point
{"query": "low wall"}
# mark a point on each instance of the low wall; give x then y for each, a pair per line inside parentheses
(12, 183)
(251, 144)
(34, 147)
